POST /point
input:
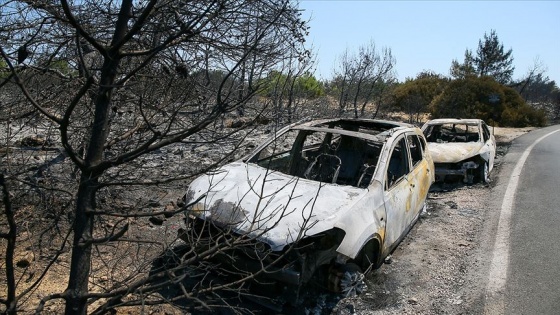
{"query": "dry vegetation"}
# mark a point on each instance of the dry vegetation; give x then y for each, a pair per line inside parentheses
(426, 274)
(108, 109)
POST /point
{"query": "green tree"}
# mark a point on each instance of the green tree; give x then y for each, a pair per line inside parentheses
(414, 96)
(486, 99)
(304, 86)
(490, 60)
(539, 89)
(308, 86)
(290, 90)
(465, 69)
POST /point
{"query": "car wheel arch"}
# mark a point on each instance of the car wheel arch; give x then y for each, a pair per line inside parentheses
(370, 255)
(353, 243)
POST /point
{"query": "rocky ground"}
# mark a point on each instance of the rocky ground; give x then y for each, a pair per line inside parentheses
(428, 273)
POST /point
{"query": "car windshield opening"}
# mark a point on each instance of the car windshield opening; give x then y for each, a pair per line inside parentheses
(442, 133)
(327, 157)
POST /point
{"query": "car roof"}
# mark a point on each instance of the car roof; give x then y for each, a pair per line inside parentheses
(364, 122)
(372, 129)
(469, 121)
(376, 130)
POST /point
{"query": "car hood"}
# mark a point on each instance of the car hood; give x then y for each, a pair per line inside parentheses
(272, 206)
(453, 152)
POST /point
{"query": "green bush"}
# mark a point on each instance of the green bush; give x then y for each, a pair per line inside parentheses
(484, 98)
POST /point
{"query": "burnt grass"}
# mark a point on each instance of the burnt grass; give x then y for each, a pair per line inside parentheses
(426, 274)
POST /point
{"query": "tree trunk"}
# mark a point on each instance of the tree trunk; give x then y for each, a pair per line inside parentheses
(291, 100)
(355, 102)
(366, 99)
(76, 302)
(342, 99)
(81, 246)
(378, 105)
(85, 202)
(11, 301)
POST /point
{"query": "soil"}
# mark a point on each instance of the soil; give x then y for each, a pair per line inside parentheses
(428, 273)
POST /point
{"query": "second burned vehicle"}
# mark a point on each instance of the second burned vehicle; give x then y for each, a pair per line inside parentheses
(325, 200)
(462, 149)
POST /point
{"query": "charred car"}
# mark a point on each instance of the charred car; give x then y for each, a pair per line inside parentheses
(462, 149)
(326, 200)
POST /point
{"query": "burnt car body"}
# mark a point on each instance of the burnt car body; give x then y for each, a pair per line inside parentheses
(462, 149)
(327, 200)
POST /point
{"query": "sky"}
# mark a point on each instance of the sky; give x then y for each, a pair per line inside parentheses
(429, 35)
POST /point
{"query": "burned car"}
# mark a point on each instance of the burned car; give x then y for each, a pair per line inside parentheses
(325, 200)
(462, 149)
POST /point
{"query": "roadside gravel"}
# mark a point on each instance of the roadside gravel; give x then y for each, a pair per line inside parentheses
(430, 271)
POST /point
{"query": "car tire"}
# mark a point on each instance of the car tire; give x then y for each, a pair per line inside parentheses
(347, 279)
(483, 173)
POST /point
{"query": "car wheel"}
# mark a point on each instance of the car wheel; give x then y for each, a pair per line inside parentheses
(347, 279)
(483, 173)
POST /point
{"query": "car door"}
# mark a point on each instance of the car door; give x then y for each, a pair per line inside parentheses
(419, 177)
(397, 193)
(490, 144)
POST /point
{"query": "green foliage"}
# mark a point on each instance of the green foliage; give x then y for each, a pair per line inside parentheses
(306, 85)
(273, 82)
(332, 87)
(465, 69)
(490, 60)
(523, 116)
(309, 86)
(61, 66)
(414, 96)
(4, 71)
(486, 99)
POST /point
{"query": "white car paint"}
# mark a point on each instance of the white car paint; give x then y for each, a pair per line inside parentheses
(274, 211)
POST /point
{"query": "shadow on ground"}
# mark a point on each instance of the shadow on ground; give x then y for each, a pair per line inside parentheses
(259, 298)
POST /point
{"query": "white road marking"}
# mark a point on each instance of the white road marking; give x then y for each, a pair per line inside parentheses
(500, 261)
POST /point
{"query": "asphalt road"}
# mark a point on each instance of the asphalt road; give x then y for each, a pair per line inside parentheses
(524, 275)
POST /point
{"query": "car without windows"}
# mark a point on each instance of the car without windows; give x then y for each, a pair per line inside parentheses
(325, 200)
(462, 149)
